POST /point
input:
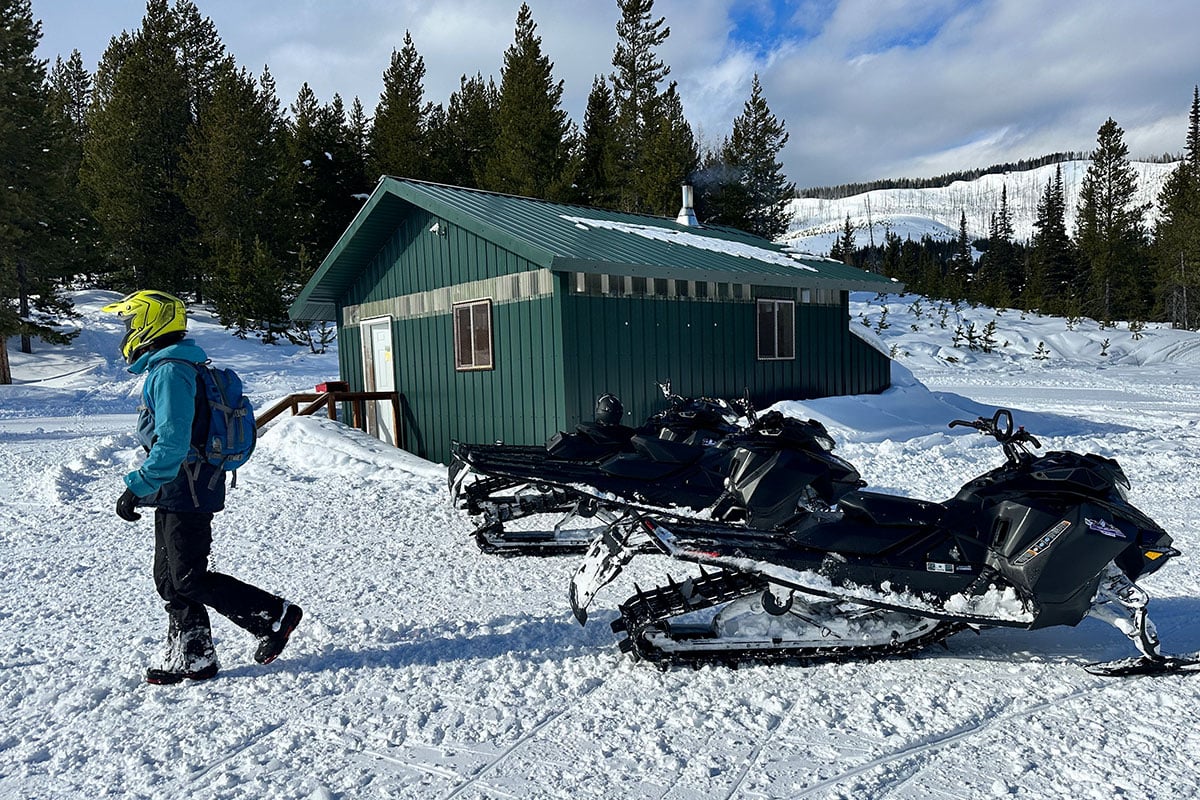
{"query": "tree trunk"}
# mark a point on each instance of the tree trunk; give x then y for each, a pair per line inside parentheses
(5, 371)
(23, 305)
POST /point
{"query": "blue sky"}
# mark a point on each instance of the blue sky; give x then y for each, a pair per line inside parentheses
(867, 88)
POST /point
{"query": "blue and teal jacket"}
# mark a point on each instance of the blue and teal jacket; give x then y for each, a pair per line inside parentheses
(173, 477)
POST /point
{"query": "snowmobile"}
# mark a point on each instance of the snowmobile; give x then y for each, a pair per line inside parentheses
(1039, 541)
(765, 475)
(503, 482)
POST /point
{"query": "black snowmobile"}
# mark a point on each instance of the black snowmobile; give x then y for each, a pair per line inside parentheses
(766, 475)
(503, 482)
(1040, 541)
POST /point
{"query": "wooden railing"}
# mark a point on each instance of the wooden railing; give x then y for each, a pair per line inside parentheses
(308, 403)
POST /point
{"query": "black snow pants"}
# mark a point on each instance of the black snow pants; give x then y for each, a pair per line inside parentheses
(182, 541)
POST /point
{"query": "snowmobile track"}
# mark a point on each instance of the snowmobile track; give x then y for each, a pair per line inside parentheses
(650, 609)
(938, 742)
(756, 754)
(518, 744)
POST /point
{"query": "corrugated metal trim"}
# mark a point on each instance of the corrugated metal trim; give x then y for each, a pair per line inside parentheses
(501, 289)
(782, 277)
(593, 285)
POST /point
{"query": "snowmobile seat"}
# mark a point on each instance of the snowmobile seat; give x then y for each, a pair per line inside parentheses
(605, 434)
(664, 451)
(590, 442)
(887, 510)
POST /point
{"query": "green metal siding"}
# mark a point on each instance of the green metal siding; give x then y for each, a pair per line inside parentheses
(413, 259)
(350, 356)
(520, 401)
(625, 345)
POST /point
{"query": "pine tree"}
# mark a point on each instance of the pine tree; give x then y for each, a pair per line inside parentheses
(1051, 282)
(893, 265)
(324, 171)
(472, 118)
(70, 93)
(31, 233)
(131, 171)
(635, 81)
(358, 127)
(843, 246)
(998, 277)
(758, 204)
(1110, 231)
(669, 157)
(531, 152)
(960, 269)
(600, 149)
(200, 53)
(1177, 234)
(70, 88)
(397, 145)
(231, 171)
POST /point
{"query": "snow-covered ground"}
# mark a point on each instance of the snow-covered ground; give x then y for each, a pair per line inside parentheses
(424, 669)
(816, 223)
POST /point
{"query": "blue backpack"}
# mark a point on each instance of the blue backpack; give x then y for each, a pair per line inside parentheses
(228, 437)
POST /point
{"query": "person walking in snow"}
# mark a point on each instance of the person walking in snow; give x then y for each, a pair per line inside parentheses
(185, 491)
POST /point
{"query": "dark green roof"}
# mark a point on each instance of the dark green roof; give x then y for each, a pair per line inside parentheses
(567, 238)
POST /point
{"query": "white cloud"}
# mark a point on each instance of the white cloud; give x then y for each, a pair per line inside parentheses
(871, 89)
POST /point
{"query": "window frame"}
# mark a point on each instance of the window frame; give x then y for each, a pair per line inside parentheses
(472, 307)
(775, 304)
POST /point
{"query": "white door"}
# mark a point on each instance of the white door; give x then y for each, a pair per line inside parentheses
(380, 376)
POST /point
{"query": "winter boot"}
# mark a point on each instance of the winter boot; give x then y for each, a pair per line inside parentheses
(271, 645)
(188, 654)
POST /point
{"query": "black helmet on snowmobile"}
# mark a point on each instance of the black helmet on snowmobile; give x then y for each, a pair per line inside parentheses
(609, 410)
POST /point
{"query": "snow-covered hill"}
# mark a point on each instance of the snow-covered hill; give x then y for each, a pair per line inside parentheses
(425, 669)
(816, 223)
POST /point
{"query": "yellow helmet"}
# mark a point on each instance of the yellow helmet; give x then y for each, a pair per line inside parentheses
(149, 315)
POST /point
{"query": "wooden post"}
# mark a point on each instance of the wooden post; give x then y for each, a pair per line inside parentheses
(332, 406)
(396, 420)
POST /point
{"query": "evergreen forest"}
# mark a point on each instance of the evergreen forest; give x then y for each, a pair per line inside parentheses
(172, 167)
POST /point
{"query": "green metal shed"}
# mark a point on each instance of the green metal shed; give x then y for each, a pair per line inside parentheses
(503, 318)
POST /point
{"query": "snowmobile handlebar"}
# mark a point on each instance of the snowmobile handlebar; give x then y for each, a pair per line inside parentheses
(1000, 428)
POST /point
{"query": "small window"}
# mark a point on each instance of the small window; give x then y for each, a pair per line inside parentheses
(776, 330)
(806, 295)
(660, 287)
(638, 286)
(473, 335)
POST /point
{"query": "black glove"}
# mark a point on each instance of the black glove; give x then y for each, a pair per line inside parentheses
(125, 505)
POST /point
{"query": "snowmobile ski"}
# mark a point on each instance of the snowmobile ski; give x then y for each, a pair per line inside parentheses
(1145, 665)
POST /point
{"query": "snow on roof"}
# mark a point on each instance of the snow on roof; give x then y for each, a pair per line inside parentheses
(688, 239)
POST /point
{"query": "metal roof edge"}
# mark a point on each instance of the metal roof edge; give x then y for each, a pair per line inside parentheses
(296, 309)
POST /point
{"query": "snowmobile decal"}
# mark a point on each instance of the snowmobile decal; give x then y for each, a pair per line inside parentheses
(1103, 526)
(1042, 544)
